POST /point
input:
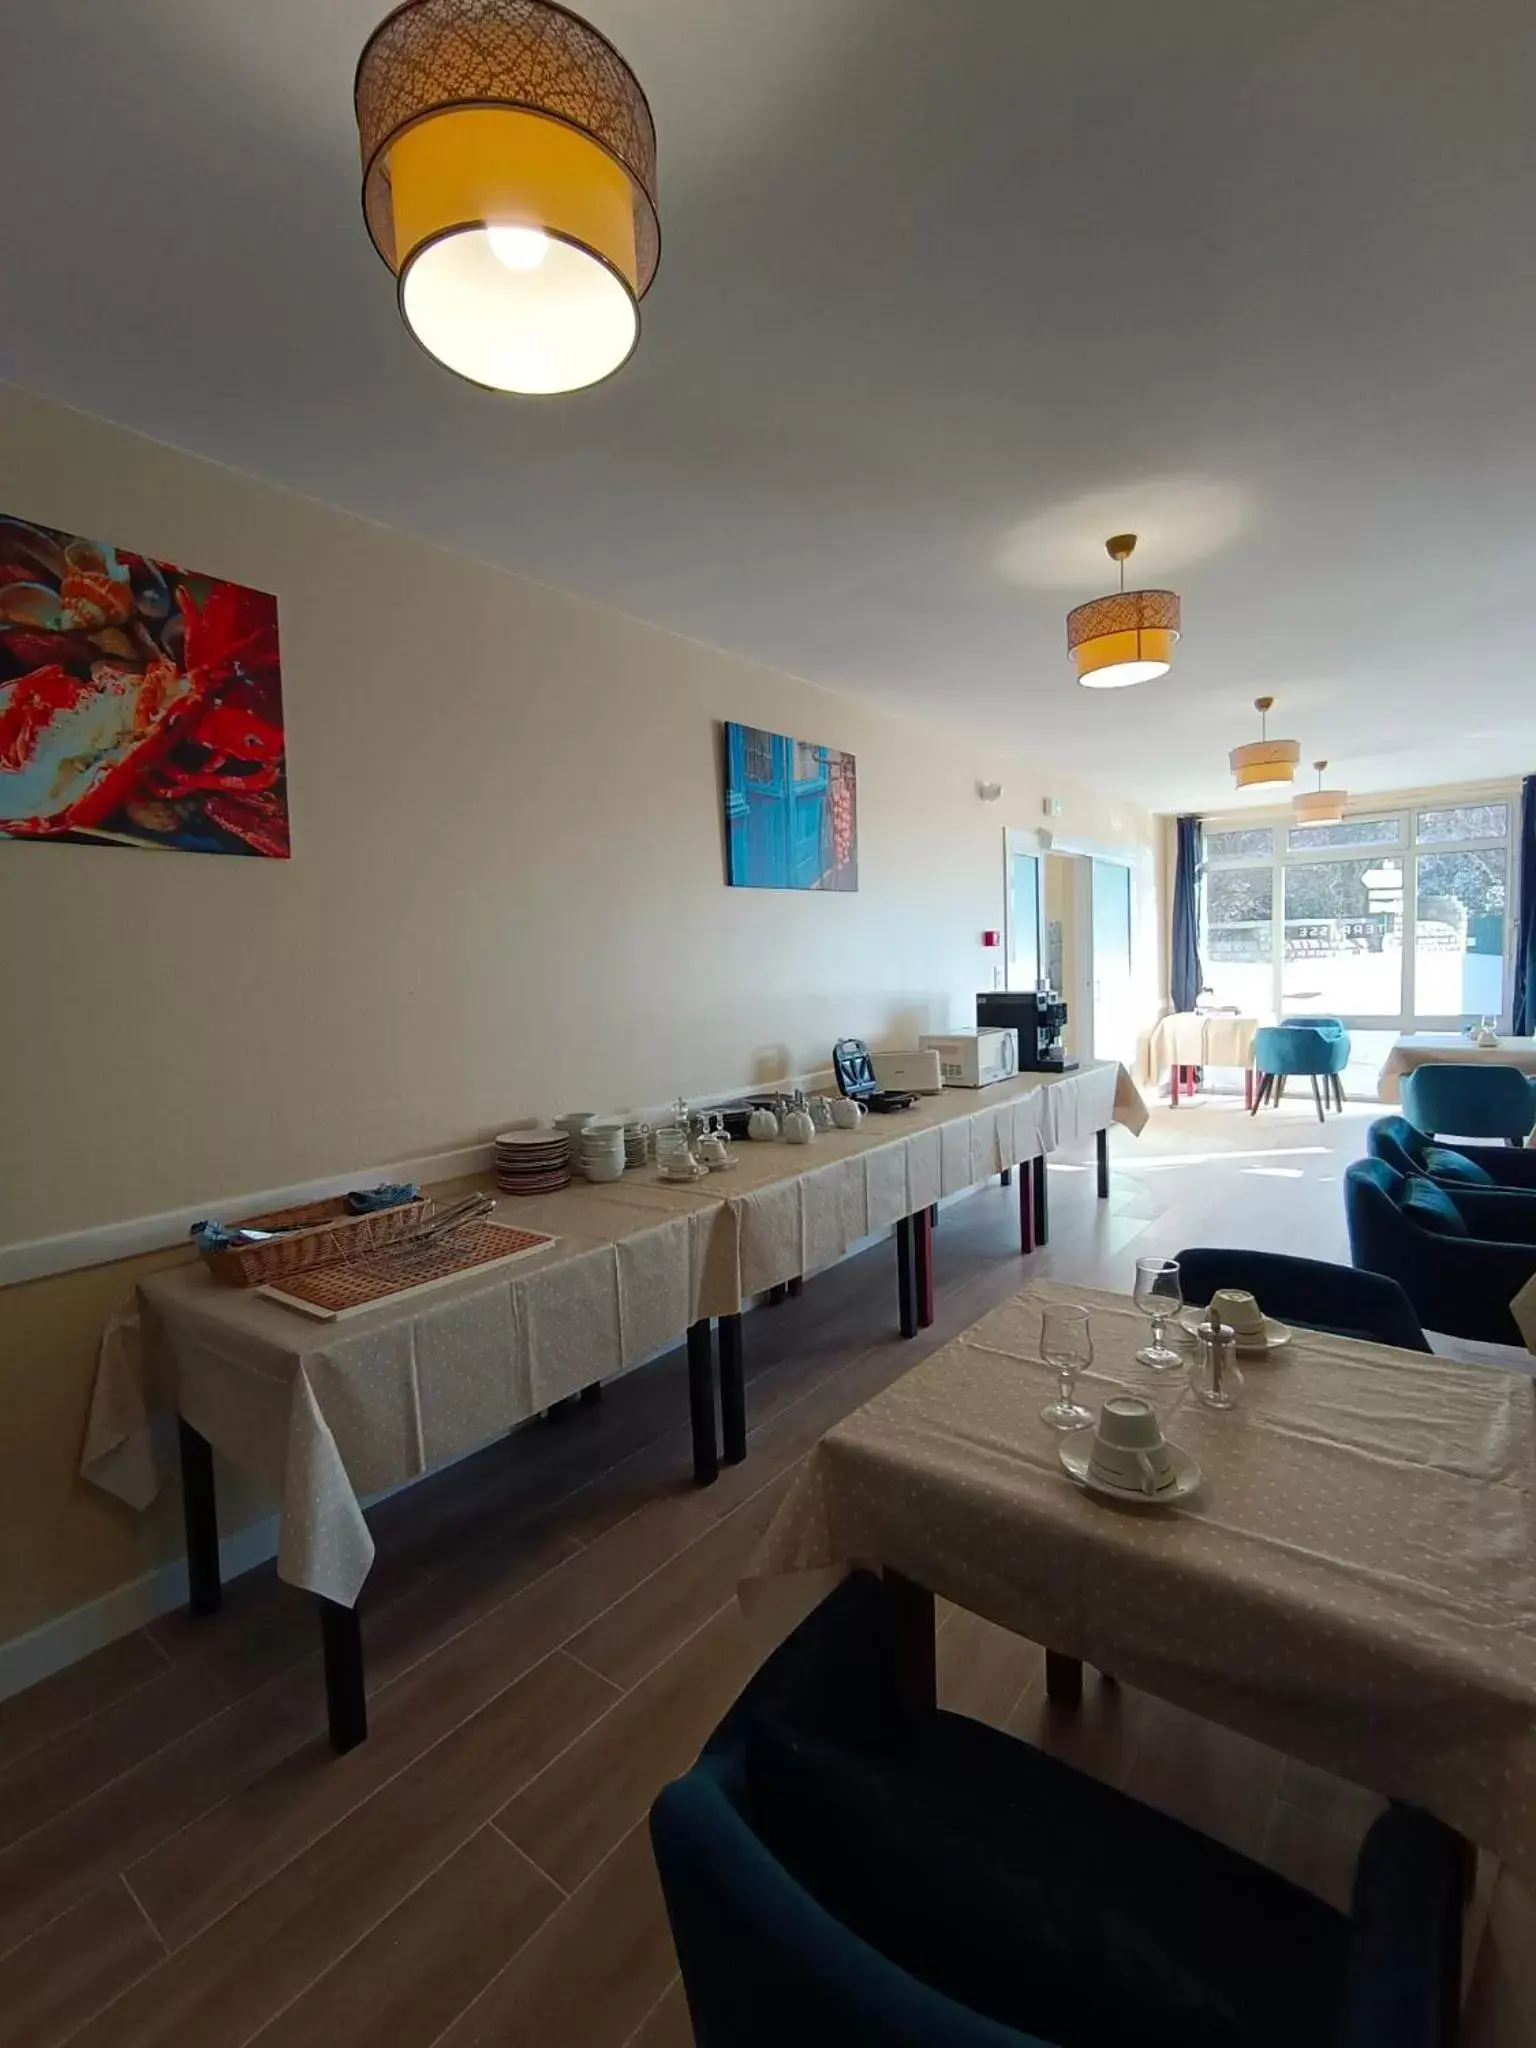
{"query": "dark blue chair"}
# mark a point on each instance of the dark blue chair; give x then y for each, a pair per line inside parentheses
(1470, 1101)
(1396, 1140)
(1312, 1292)
(842, 1871)
(1461, 1255)
(1320, 1051)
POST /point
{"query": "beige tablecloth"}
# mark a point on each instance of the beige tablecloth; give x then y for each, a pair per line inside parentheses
(1421, 1048)
(1355, 1583)
(1187, 1039)
(329, 1413)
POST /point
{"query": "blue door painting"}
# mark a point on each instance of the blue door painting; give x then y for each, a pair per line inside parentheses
(791, 812)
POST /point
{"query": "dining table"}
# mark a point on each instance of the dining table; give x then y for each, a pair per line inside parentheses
(328, 1414)
(1186, 1042)
(1425, 1048)
(1353, 1582)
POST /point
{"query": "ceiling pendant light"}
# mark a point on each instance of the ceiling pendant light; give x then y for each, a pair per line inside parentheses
(1319, 806)
(509, 182)
(1264, 763)
(1126, 637)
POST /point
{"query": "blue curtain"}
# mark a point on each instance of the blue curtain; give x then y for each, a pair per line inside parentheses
(1184, 980)
(1525, 912)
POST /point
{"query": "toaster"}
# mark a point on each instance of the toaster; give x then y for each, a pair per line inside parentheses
(908, 1073)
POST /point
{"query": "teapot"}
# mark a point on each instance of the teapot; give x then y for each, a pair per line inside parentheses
(763, 1124)
(798, 1127)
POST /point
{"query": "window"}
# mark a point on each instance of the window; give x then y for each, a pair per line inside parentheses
(1395, 921)
(1347, 832)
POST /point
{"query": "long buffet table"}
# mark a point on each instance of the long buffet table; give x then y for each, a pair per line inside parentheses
(329, 1413)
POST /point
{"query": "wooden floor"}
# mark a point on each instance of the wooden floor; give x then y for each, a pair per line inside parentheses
(552, 1630)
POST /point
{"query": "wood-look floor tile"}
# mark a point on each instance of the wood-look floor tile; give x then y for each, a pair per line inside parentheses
(235, 1976)
(983, 1670)
(50, 1709)
(1100, 1736)
(1215, 1780)
(1311, 1853)
(54, 1981)
(53, 1868)
(574, 1813)
(591, 1974)
(198, 1874)
(646, 1626)
(409, 1979)
(667, 2024)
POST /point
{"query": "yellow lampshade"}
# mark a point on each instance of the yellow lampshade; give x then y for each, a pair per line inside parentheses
(1264, 763)
(1319, 806)
(1126, 637)
(509, 181)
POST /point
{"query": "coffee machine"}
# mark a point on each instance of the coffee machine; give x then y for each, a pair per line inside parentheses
(1039, 1016)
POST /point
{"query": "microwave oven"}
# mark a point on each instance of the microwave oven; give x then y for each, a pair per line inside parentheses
(974, 1059)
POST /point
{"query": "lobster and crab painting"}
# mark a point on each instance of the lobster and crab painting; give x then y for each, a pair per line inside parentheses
(140, 704)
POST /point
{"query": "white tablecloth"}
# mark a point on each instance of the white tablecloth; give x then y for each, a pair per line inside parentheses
(328, 1413)
(1422, 1048)
(1189, 1039)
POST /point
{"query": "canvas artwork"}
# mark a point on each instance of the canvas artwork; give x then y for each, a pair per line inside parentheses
(140, 704)
(791, 812)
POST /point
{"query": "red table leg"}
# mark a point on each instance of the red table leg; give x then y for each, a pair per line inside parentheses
(922, 1256)
(1026, 1209)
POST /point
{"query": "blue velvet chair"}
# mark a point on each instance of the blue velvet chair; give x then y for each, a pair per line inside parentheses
(989, 1896)
(1319, 1050)
(1460, 1255)
(1308, 1291)
(1470, 1101)
(1396, 1140)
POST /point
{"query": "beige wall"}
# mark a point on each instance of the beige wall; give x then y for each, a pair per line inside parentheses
(506, 896)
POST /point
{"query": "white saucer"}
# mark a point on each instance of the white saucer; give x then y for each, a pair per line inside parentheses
(1276, 1335)
(1078, 1449)
(700, 1172)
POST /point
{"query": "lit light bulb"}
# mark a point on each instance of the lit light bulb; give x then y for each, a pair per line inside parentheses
(519, 248)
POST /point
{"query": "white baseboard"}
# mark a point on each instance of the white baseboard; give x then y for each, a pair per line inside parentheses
(27, 1660)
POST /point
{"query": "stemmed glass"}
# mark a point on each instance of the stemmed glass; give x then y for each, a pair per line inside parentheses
(1066, 1345)
(1158, 1295)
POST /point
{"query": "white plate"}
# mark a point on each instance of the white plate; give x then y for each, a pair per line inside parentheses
(1275, 1334)
(698, 1173)
(1078, 1449)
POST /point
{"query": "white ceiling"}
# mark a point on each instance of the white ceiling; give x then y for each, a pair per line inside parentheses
(950, 290)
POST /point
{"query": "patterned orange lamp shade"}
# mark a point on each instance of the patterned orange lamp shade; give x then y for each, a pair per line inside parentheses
(1264, 763)
(1318, 806)
(1126, 637)
(509, 182)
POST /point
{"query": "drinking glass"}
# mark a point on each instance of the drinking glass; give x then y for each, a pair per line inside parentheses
(1066, 1345)
(1159, 1295)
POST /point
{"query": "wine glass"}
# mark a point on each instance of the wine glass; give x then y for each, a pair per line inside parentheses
(1066, 1345)
(1159, 1295)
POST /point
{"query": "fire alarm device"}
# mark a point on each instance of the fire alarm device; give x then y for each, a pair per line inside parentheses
(991, 938)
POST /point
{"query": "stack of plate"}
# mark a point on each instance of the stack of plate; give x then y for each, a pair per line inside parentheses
(601, 1151)
(533, 1162)
(637, 1144)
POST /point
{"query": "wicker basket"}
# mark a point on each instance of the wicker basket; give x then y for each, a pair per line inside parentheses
(326, 1231)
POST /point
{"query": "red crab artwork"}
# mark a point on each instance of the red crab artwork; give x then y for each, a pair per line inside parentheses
(140, 704)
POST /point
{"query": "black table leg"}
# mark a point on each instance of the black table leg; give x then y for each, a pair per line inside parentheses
(922, 1266)
(733, 1391)
(796, 1287)
(1006, 1177)
(1101, 1146)
(592, 1395)
(346, 1703)
(1026, 1209)
(916, 1654)
(777, 1294)
(205, 1589)
(933, 1214)
(906, 1281)
(701, 1403)
(1063, 1679)
(1042, 1201)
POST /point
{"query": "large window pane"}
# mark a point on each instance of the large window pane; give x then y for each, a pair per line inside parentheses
(1250, 842)
(1458, 958)
(1236, 938)
(1463, 821)
(1347, 832)
(1344, 937)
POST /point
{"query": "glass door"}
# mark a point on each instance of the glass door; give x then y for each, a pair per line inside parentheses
(1114, 1009)
(1024, 968)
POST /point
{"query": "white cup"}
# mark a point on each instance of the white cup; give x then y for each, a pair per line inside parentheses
(1236, 1307)
(1128, 1447)
(603, 1169)
(847, 1114)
